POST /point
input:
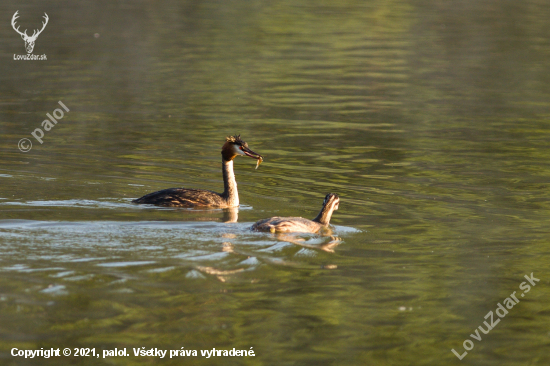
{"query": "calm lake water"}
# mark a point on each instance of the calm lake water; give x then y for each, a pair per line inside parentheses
(430, 119)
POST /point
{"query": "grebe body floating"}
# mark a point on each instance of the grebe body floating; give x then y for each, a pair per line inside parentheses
(298, 224)
(184, 197)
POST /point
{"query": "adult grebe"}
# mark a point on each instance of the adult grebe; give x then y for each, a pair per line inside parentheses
(183, 197)
(299, 224)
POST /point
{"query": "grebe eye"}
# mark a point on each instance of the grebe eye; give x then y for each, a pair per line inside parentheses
(240, 147)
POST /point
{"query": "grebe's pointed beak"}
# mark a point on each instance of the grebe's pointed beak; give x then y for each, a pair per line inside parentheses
(246, 151)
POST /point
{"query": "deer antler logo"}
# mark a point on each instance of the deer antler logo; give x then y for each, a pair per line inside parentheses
(29, 41)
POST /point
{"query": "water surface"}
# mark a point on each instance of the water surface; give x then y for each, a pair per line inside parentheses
(429, 119)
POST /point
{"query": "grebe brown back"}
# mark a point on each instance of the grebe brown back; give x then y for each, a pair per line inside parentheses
(184, 197)
(298, 224)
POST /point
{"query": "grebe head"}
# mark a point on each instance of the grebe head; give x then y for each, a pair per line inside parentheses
(332, 201)
(330, 204)
(234, 146)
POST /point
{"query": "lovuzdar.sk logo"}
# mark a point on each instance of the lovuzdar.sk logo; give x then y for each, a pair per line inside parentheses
(29, 40)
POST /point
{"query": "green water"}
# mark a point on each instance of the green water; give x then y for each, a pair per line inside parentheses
(430, 119)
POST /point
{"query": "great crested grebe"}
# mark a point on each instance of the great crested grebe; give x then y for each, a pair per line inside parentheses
(298, 224)
(184, 197)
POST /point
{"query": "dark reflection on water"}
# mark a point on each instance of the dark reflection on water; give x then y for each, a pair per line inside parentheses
(429, 119)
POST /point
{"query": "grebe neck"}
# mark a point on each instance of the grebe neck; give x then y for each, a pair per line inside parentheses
(230, 193)
(324, 215)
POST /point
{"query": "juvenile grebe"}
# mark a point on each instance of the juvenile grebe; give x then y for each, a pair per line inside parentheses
(299, 224)
(183, 197)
